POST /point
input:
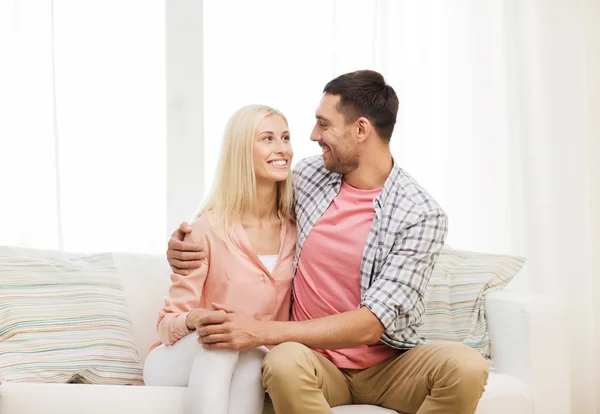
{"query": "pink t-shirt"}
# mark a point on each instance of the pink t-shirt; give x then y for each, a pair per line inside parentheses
(327, 279)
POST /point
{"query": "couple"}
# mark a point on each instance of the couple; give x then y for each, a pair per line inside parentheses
(366, 240)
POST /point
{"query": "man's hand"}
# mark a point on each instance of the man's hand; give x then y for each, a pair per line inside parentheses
(228, 329)
(184, 255)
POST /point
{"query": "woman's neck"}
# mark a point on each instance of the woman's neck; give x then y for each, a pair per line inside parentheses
(265, 207)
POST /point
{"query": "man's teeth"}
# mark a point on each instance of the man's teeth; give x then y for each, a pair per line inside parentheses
(280, 163)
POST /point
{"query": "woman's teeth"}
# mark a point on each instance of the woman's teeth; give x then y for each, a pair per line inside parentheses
(278, 163)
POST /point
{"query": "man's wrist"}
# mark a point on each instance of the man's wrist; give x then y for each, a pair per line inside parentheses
(261, 333)
(269, 333)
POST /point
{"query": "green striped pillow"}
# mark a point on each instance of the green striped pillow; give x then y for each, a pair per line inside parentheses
(64, 318)
(455, 296)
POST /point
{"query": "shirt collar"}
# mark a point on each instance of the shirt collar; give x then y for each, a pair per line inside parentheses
(390, 183)
(335, 180)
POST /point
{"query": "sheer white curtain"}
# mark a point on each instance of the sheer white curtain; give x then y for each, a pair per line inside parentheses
(82, 124)
(265, 52)
(499, 120)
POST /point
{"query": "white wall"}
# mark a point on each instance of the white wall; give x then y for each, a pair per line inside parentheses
(185, 109)
(593, 58)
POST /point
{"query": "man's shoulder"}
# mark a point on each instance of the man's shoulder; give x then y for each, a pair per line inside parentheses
(311, 171)
(408, 193)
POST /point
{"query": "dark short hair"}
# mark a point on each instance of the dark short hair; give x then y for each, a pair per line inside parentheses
(365, 93)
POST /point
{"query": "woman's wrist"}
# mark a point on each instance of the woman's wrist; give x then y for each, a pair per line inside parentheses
(192, 317)
(190, 320)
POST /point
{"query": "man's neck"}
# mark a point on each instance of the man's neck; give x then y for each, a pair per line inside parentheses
(374, 168)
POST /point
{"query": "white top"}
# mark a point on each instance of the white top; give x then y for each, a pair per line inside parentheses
(268, 260)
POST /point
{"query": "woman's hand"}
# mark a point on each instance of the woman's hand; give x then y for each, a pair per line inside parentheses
(192, 318)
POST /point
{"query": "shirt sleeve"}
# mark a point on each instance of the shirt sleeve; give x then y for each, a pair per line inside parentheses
(184, 294)
(404, 275)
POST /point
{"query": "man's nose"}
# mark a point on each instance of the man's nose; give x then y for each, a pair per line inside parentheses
(315, 135)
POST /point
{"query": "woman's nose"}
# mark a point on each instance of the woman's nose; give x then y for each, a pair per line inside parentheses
(281, 146)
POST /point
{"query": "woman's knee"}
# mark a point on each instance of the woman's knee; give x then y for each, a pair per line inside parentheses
(160, 371)
(247, 372)
(171, 365)
(252, 359)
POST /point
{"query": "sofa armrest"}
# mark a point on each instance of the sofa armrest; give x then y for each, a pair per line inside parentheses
(528, 338)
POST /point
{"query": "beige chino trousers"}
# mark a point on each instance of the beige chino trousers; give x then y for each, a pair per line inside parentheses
(440, 378)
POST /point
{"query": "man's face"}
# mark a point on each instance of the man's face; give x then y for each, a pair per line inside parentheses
(337, 140)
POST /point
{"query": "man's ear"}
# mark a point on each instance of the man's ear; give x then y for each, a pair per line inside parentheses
(363, 129)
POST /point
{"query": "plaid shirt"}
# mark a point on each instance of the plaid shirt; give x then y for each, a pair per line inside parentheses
(403, 244)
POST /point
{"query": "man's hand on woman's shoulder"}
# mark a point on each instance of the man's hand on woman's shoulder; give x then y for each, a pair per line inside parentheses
(184, 256)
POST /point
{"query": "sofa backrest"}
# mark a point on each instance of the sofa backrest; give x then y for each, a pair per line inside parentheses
(146, 282)
(454, 300)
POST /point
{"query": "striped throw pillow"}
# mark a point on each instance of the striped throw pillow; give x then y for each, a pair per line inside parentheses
(64, 318)
(455, 296)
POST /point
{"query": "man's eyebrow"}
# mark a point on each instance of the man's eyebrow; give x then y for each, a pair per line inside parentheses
(321, 118)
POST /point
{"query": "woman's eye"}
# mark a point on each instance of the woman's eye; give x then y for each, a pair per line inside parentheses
(286, 138)
(269, 138)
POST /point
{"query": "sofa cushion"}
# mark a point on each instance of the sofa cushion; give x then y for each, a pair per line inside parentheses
(455, 296)
(90, 399)
(503, 395)
(146, 280)
(64, 317)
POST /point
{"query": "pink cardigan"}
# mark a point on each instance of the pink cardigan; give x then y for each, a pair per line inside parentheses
(232, 275)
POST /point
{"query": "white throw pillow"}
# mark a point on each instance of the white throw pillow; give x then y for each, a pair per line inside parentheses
(455, 296)
(64, 317)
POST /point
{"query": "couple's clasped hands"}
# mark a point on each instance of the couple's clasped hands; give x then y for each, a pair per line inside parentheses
(224, 328)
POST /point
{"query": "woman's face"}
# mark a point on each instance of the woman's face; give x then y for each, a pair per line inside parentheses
(272, 151)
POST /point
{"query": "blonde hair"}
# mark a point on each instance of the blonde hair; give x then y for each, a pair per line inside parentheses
(233, 191)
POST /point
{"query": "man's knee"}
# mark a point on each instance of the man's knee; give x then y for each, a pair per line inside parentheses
(465, 364)
(283, 361)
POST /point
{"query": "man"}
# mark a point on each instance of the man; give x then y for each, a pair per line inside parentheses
(368, 237)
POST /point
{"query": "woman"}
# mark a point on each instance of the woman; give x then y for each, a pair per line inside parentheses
(246, 228)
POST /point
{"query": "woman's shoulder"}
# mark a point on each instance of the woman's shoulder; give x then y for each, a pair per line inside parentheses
(202, 225)
(209, 224)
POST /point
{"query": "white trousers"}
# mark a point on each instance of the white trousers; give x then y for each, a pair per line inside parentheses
(218, 382)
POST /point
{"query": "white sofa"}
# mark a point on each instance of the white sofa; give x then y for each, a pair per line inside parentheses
(528, 351)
